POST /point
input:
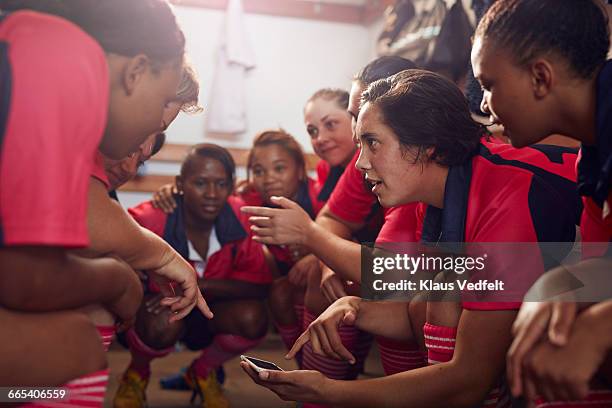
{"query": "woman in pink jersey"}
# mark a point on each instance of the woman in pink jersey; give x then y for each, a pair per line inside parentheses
(537, 80)
(419, 143)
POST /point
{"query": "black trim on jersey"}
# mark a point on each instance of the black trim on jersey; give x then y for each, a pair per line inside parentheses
(303, 199)
(448, 224)
(227, 227)
(330, 183)
(113, 195)
(554, 153)
(6, 83)
(550, 222)
(595, 167)
(564, 187)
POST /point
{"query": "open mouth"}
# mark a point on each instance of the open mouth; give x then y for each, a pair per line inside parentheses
(210, 208)
(373, 183)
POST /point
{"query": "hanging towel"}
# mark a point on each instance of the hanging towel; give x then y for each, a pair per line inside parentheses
(227, 107)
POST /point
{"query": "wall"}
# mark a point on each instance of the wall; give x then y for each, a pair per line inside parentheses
(294, 58)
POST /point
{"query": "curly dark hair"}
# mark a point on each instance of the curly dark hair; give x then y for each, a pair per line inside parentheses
(576, 30)
(427, 111)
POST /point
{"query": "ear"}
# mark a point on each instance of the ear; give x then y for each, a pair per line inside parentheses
(542, 77)
(135, 69)
(178, 180)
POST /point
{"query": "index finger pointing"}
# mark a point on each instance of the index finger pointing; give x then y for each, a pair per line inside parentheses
(263, 211)
(297, 346)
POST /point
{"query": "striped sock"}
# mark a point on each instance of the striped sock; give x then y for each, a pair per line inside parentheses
(399, 356)
(84, 392)
(335, 369)
(440, 343)
(142, 355)
(299, 313)
(106, 334)
(223, 348)
(362, 348)
(289, 334)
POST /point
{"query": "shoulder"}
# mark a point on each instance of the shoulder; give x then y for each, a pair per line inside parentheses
(149, 217)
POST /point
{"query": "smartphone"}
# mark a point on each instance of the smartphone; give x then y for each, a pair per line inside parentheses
(260, 365)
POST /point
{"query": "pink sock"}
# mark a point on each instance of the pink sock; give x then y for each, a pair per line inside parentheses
(289, 334)
(224, 347)
(361, 350)
(399, 356)
(143, 354)
(84, 392)
(440, 343)
(299, 313)
(332, 368)
(106, 334)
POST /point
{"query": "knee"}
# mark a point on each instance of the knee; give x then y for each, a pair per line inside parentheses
(253, 320)
(155, 330)
(281, 295)
(91, 356)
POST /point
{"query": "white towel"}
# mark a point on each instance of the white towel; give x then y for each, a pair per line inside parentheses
(227, 107)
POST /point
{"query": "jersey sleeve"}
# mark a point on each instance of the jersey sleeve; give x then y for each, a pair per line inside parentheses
(351, 200)
(54, 103)
(149, 217)
(250, 264)
(400, 224)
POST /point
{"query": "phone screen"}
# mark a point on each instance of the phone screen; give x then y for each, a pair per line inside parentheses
(266, 365)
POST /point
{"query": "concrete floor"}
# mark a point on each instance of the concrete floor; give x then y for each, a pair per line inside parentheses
(240, 390)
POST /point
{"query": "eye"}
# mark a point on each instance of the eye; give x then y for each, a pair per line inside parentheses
(372, 143)
(331, 125)
(279, 168)
(222, 184)
(257, 172)
(312, 131)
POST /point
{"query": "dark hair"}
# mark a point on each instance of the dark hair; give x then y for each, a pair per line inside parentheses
(212, 151)
(121, 27)
(335, 94)
(383, 67)
(160, 140)
(280, 138)
(426, 110)
(576, 30)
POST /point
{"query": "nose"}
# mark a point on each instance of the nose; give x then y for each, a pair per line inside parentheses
(211, 191)
(269, 177)
(484, 106)
(363, 163)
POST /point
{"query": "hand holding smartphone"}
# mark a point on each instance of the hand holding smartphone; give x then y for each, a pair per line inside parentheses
(260, 365)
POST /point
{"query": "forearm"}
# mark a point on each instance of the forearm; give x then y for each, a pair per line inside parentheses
(113, 231)
(46, 279)
(342, 255)
(387, 319)
(228, 289)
